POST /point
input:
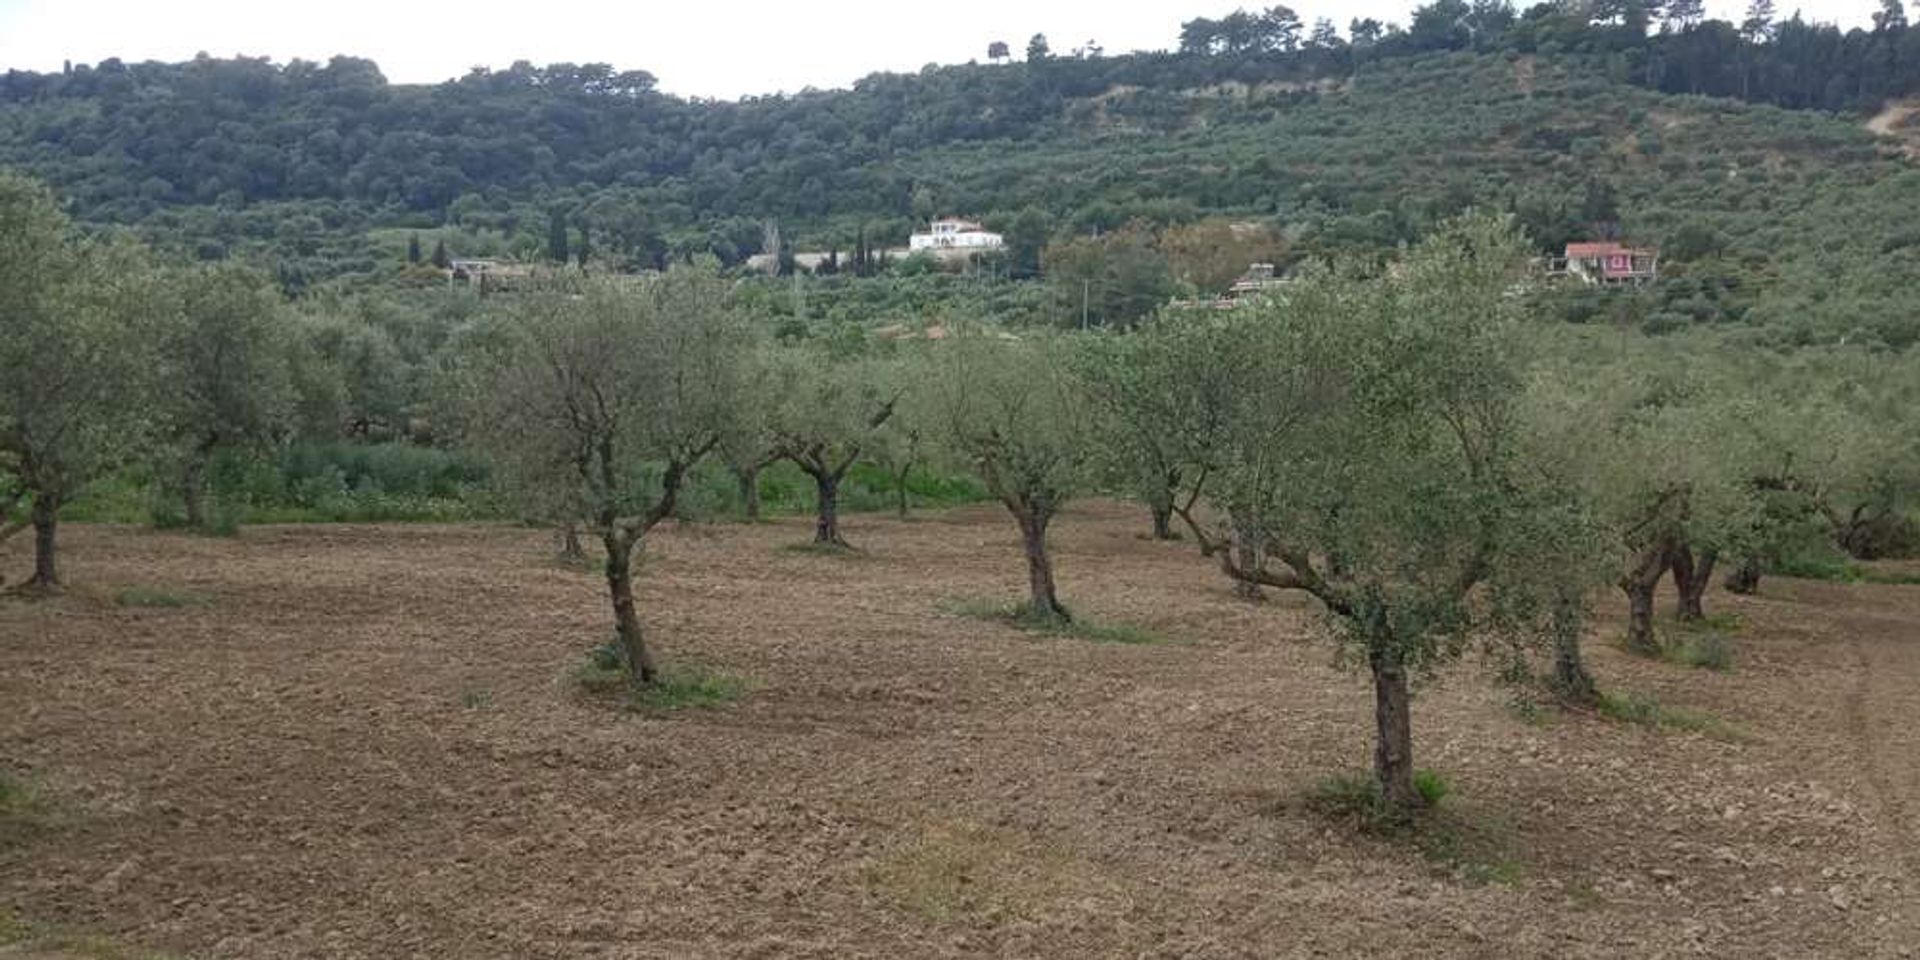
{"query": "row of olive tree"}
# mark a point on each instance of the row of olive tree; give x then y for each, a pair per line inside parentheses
(110, 359)
(1408, 448)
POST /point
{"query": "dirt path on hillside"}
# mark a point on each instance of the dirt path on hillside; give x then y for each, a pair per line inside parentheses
(1887, 122)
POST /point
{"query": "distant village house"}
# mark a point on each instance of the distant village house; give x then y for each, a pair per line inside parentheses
(1608, 262)
(955, 235)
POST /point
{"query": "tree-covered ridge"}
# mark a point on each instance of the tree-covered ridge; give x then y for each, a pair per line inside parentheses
(1794, 219)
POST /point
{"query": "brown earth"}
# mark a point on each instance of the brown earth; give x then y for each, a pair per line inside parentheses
(360, 743)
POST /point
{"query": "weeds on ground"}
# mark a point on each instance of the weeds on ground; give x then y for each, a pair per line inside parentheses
(603, 673)
(968, 872)
(1648, 712)
(818, 549)
(158, 597)
(1467, 844)
(1021, 616)
(17, 934)
(24, 810)
(1842, 570)
(476, 699)
(1710, 651)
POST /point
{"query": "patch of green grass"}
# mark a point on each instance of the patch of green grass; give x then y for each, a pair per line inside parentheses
(476, 699)
(691, 687)
(17, 934)
(13, 930)
(1648, 712)
(1710, 651)
(1471, 847)
(1842, 570)
(603, 673)
(160, 597)
(24, 810)
(818, 549)
(1021, 616)
(1467, 844)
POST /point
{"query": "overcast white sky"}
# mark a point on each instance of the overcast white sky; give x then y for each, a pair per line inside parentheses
(717, 48)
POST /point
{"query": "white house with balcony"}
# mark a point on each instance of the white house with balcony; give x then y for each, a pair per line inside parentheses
(956, 235)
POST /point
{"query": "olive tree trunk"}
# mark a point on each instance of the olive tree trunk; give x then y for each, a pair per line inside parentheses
(1744, 577)
(1393, 743)
(826, 527)
(1162, 519)
(190, 492)
(570, 551)
(749, 480)
(1043, 600)
(641, 670)
(46, 522)
(900, 489)
(1571, 681)
(1639, 584)
(1248, 555)
(1691, 575)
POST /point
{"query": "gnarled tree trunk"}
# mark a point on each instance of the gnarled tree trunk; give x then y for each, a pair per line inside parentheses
(1393, 743)
(1571, 681)
(1043, 601)
(1639, 584)
(826, 527)
(626, 617)
(1691, 575)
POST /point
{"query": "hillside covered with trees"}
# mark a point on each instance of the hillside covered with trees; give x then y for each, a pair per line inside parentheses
(1739, 148)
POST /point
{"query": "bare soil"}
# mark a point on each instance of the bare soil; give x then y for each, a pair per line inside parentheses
(360, 742)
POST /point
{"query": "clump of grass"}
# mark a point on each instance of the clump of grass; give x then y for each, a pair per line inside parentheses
(604, 673)
(157, 597)
(1465, 843)
(1710, 651)
(1022, 616)
(1431, 786)
(476, 699)
(34, 939)
(24, 810)
(818, 549)
(691, 687)
(1356, 797)
(1648, 712)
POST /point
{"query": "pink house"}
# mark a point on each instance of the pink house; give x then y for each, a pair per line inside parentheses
(1609, 262)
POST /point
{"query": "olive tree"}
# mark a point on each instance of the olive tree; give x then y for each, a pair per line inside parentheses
(75, 348)
(597, 397)
(829, 411)
(1375, 447)
(751, 446)
(1667, 468)
(225, 359)
(1162, 392)
(1012, 411)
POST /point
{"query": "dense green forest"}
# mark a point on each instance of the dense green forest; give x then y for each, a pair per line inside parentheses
(1584, 119)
